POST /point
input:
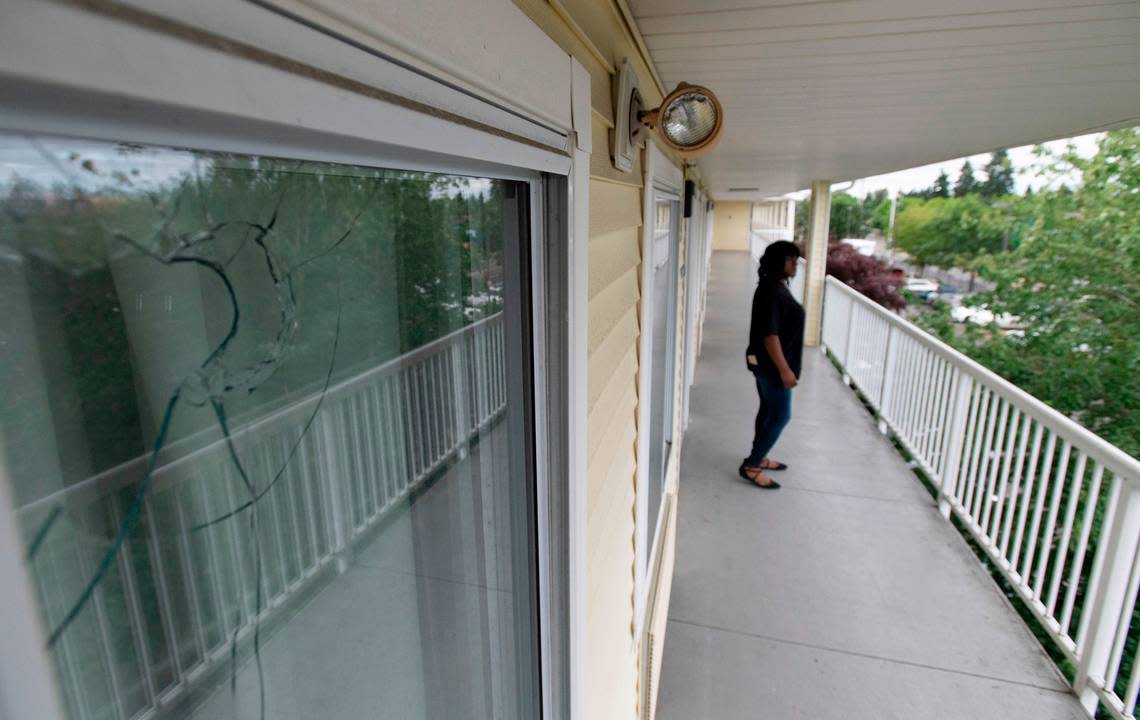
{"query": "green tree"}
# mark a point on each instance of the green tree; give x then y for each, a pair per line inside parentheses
(949, 232)
(966, 183)
(941, 186)
(1074, 282)
(913, 223)
(880, 217)
(999, 176)
(846, 217)
(871, 201)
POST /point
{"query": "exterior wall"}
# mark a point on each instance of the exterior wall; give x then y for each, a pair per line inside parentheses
(733, 226)
(596, 34)
(615, 262)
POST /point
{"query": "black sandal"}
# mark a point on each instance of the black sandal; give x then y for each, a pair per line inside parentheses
(774, 466)
(744, 473)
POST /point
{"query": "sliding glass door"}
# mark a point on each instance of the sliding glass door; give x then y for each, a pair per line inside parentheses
(268, 426)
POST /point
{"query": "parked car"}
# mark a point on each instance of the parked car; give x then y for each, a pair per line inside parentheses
(921, 286)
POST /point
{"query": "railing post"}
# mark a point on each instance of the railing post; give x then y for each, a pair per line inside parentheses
(336, 484)
(1108, 587)
(459, 396)
(956, 432)
(886, 387)
(828, 296)
(847, 343)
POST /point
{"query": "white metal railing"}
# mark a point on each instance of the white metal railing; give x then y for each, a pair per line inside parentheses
(183, 588)
(1054, 506)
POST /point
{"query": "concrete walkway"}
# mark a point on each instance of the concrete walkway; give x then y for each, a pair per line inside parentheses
(842, 595)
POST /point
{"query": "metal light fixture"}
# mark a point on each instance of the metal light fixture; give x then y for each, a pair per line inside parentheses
(689, 119)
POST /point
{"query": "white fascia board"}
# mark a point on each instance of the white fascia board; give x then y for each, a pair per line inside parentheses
(144, 70)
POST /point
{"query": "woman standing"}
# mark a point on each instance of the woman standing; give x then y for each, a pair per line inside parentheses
(775, 352)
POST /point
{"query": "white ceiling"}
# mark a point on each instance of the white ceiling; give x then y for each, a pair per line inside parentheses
(843, 89)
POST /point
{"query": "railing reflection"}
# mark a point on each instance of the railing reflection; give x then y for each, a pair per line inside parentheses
(184, 590)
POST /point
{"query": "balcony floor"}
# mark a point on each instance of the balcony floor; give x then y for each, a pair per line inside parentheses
(842, 595)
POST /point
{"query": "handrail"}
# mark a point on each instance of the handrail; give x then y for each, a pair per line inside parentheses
(1052, 504)
(1109, 454)
(191, 447)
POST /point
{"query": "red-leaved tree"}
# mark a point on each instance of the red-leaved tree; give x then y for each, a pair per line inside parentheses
(865, 274)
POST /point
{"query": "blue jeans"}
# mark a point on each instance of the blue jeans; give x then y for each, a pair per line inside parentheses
(775, 412)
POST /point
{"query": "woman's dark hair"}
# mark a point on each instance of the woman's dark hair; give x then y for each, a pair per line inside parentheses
(773, 259)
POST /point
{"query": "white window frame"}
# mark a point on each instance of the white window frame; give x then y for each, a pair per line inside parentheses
(694, 290)
(663, 180)
(75, 87)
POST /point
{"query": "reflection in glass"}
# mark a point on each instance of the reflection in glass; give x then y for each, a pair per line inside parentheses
(661, 353)
(258, 430)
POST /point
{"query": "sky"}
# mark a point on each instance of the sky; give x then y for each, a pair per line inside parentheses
(101, 166)
(91, 165)
(924, 176)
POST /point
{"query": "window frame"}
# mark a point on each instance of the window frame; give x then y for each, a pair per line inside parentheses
(663, 181)
(50, 94)
(696, 226)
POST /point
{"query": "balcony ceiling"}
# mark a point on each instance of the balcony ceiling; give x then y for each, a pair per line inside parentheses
(843, 89)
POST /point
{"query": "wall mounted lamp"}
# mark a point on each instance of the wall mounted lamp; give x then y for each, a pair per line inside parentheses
(689, 120)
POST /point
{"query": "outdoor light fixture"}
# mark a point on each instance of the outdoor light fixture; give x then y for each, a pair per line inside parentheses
(688, 121)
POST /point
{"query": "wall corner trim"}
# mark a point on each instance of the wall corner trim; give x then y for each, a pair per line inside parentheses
(581, 109)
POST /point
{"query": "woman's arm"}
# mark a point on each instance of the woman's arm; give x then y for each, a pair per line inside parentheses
(776, 352)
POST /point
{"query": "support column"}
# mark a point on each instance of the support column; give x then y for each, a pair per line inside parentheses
(816, 256)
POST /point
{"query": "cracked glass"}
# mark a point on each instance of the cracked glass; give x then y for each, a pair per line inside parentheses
(259, 434)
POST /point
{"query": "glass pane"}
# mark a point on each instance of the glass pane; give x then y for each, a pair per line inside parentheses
(265, 401)
(661, 352)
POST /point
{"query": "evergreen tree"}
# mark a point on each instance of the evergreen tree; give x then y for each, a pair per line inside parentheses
(966, 183)
(871, 201)
(846, 218)
(999, 176)
(941, 186)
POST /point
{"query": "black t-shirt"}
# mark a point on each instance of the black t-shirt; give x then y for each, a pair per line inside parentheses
(776, 312)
